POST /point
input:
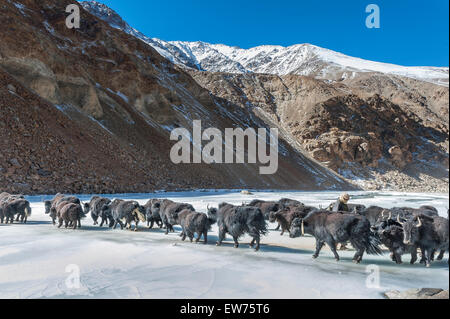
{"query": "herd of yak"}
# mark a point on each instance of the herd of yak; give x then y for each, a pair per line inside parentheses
(402, 230)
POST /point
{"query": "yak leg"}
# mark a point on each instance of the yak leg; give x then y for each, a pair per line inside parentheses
(222, 235)
(17, 218)
(423, 254)
(429, 257)
(168, 227)
(79, 222)
(236, 243)
(60, 223)
(258, 241)
(205, 237)
(278, 227)
(199, 234)
(413, 256)
(441, 255)
(358, 256)
(332, 246)
(397, 257)
(75, 224)
(319, 246)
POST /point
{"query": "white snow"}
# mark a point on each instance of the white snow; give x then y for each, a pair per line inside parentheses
(148, 264)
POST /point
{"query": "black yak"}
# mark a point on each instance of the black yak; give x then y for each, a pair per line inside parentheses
(70, 214)
(430, 234)
(237, 221)
(126, 212)
(192, 223)
(95, 208)
(153, 216)
(337, 228)
(165, 208)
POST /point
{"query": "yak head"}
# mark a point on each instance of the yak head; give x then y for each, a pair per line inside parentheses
(156, 206)
(273, 216)
(48, 206)
(212, 214)
(86, 208)
(410, 229)
(297, 228)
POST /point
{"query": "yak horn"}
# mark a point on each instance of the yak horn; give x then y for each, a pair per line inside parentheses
(382, 213)
(420, 223)
(398, 219)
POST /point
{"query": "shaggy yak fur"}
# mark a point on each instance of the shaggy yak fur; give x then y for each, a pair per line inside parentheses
(286, 215)
(192, 223)
(165, 208)
(95, 208)
(70, 214)
(14, 205)
(338, 228)
(50, 206)
(237, 221)
(153, 217)
(127, 212)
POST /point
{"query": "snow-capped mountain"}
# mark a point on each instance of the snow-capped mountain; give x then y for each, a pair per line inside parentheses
(301, 59)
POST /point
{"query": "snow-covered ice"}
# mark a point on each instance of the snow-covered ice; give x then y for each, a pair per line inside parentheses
(148, 264)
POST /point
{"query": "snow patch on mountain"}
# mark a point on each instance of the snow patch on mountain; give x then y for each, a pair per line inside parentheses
(300, 59)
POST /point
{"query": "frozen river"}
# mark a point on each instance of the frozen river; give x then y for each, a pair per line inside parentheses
(38, 260)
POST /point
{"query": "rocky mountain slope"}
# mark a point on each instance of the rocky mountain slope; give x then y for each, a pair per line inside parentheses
(91, 110)
(382, 126)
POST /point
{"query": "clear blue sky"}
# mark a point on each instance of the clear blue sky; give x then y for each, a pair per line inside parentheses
(413, 32)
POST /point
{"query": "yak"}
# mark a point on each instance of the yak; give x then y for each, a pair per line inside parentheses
(50, 205)
(126, 212)
(165, 208)
(337, 228)
(391, 235)
(286, 215)
(70, 214)
(430, 234)
(95, 208)
(153, 217)
(192, 223)
(237, 221)
(266, 207)
(10, 206)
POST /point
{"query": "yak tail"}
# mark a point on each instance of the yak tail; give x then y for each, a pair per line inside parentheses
(373, 246)
(28, 211)
(262, 227)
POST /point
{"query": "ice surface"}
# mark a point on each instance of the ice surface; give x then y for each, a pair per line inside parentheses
(149, 264)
